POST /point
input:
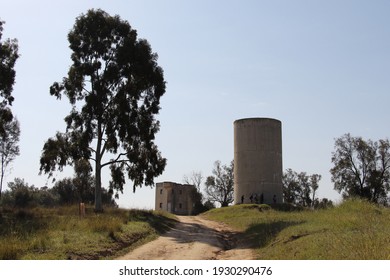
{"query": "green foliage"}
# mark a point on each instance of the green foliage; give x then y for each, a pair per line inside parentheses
(9, 127)
(80, 188)
(8, 56)
(200, 204)
(361, 168)
(356, 229)
(324, 203)
(220, 186)
(20, 194)
(64, 192)
(114, 86)
(300, 188)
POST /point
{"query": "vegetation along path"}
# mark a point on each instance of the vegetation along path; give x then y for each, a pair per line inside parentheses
(194, 238)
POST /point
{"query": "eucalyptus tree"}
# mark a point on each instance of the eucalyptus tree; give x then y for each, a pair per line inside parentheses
(9, 127)
(9, 147)
(8, 56)
(300, 188)
(361, 168)
(114, 86)
(220, 185)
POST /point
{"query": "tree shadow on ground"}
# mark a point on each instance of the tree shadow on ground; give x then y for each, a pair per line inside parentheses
(159, 222)
(185, 232)
(260, 235)
(256, 236)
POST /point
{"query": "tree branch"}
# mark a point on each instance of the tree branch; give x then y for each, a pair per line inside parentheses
(116, 160)
(91, 158)
(89, 92)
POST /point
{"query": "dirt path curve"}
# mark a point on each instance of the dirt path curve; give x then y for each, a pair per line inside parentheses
(194, 238)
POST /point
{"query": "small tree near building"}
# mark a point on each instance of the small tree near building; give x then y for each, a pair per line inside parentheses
(300, 188)
(200, 203)
(195, 179)
(220, 186)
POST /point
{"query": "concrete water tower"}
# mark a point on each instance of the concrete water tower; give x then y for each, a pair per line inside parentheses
(258, 161)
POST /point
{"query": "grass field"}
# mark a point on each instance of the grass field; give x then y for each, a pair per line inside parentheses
(353, 230)
(59, 233)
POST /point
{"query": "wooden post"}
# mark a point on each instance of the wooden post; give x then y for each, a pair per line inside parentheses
(82, 210)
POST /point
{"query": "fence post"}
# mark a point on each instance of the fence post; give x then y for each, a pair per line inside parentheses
(82, 210)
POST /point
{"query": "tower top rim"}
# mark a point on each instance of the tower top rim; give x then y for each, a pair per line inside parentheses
(257, 119)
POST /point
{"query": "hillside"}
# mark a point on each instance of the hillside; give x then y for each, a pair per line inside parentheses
(353, 230)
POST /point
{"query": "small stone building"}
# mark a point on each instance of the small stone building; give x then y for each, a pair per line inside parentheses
(175, 198)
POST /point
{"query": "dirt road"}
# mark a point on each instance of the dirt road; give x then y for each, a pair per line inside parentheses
(194, 238)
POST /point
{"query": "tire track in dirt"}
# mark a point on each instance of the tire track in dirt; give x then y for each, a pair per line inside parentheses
(194, 238)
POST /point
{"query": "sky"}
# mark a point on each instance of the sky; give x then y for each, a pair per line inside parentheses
(320, 67)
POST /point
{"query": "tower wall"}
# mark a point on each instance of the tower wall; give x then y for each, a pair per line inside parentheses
(258, 160)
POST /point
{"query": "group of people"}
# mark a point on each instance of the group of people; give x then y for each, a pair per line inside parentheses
(255, 198)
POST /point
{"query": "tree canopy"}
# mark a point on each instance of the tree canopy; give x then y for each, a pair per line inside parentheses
(8, 56)
(114, 86)
(361, 168)
(220, 185)
(300, 188)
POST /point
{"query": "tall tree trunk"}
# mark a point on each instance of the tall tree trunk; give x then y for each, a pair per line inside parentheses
(1, 183)
(98, 188)
(98, 169)
(313, 198)
(2, 174)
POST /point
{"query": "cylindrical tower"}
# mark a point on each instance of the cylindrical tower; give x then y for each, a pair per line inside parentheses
(258, 161)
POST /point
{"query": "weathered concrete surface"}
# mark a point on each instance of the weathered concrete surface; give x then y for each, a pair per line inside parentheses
(174, 198)
(258, 160)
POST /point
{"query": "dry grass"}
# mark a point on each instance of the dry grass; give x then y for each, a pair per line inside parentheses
(354, 230)
(60, 233)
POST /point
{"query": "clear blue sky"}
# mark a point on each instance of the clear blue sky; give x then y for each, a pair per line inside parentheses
(321, 67)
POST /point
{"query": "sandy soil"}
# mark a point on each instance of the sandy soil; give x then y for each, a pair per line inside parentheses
(194, 238)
